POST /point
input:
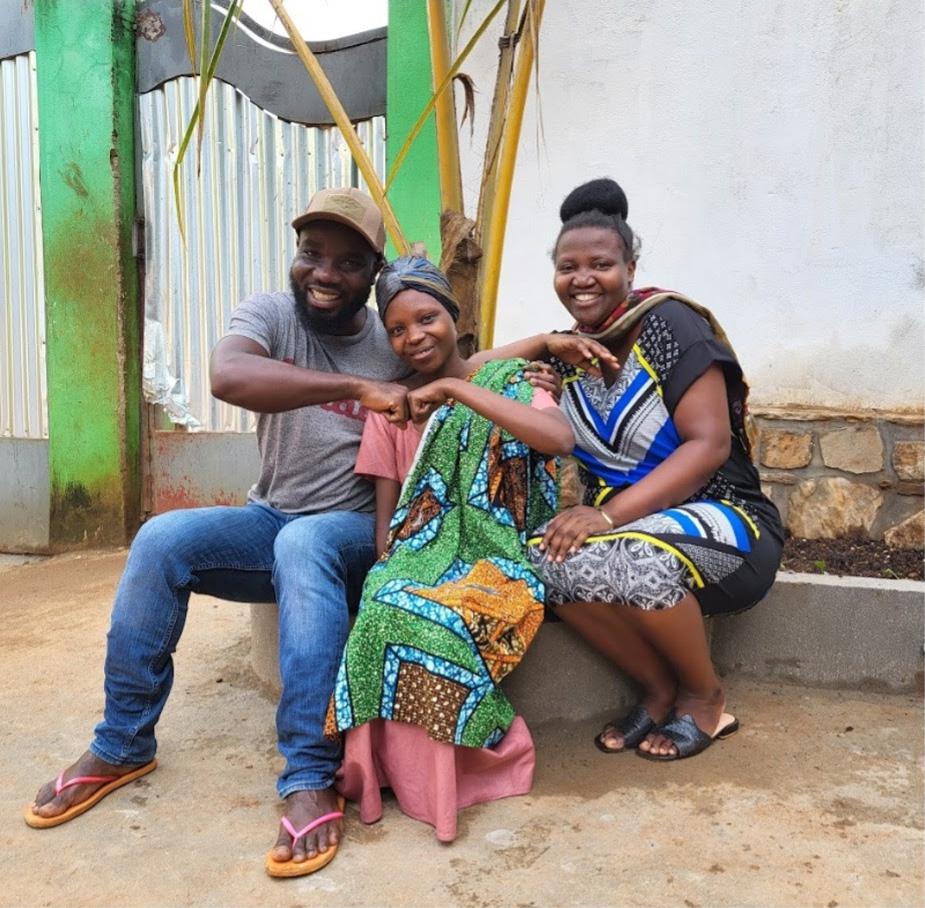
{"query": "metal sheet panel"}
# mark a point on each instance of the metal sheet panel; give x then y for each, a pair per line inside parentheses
(25, 493)
(23, 397)
(256, 173)
(201, 469)
(17, 29)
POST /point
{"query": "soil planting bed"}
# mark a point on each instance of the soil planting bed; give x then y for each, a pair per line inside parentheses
(852, 557)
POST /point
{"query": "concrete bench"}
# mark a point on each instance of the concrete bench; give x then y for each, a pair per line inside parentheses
(559, 677)
(832, 631)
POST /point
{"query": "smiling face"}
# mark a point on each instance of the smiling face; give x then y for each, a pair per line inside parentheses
(592, 276)
(422, 333)
(331, 277)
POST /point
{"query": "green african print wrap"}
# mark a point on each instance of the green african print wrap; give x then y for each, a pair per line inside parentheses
(453, 604)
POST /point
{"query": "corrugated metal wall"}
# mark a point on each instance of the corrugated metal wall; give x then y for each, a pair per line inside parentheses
(23, 396)
(257, 173)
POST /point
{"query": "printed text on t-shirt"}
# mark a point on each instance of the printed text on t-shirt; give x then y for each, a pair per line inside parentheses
(349, 408)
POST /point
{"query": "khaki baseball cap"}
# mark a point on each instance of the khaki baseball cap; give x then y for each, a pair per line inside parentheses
(347, 206)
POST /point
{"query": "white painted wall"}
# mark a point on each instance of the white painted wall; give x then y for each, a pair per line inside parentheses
(773, 155)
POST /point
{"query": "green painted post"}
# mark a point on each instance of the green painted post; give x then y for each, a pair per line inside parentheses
(415, 193)
(85, 65)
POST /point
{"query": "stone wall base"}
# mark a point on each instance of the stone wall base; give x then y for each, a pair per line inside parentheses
(835, 474)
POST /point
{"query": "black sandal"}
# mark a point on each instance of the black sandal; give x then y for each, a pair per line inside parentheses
(687, 737)
(632, 727)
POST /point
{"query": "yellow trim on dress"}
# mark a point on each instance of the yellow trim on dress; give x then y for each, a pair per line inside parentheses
(599, 500)
(644, 537)
(645, 365)
(743, 515)
(698, 579)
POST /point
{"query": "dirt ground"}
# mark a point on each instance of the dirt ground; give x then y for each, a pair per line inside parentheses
(817, 801)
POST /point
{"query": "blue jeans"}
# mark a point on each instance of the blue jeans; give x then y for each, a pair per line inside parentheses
(311, 565)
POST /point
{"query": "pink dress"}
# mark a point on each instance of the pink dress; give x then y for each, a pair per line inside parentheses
(431, 780)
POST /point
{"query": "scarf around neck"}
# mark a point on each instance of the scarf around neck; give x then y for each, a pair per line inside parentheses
(630, 313)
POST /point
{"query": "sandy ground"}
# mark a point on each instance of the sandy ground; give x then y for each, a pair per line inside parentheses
(817, 801)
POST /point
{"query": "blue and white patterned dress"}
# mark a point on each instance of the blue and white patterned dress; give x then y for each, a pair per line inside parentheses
(724, 543)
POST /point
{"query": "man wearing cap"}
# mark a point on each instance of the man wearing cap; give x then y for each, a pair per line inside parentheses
(310, 361)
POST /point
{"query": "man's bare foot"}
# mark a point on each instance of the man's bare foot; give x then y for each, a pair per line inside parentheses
(49, 804)
(302, 807)
(708, 714)
(78, 788)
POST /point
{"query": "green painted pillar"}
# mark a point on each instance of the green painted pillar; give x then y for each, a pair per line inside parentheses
(415, 193)
(85, 64)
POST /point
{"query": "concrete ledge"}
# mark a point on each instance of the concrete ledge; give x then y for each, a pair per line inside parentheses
(560, 677)
(265, 643)
(838, 631)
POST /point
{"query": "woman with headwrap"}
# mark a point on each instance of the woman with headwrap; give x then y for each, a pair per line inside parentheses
(452, 604)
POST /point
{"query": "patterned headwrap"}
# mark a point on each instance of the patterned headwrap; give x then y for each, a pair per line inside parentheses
(411, 272)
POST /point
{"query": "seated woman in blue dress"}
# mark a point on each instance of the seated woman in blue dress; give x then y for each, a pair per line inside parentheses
(673, 525)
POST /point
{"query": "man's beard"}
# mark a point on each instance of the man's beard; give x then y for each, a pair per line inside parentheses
(325, 322)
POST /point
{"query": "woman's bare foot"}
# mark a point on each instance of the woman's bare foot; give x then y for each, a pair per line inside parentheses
(302, 807)
(708, 714)
(49, 803)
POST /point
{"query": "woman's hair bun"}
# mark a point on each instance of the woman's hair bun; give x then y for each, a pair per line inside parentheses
(604, 195)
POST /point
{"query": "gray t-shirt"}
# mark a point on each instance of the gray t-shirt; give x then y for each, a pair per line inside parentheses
(307, 455)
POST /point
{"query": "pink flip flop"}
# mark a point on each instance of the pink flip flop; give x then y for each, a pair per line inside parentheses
(292, 868)
(112, 783)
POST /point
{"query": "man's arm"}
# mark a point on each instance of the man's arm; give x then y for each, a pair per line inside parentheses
(242, 373)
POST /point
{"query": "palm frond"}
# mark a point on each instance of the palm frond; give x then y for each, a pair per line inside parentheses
(336, 109)
(468, 87)
(462, 17)
(189, 32)
(445, 110)
(210, 58)
(205, 36)
(497, 119)
(491, 263)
